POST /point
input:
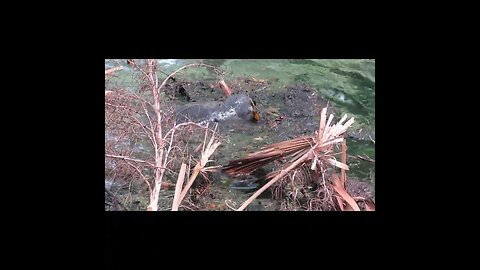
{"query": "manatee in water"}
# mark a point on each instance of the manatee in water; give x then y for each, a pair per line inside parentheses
(239, 106)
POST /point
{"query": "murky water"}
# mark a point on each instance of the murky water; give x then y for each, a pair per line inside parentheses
(349, 84)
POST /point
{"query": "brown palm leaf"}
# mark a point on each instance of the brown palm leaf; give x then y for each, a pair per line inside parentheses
(315, 149)
(269, 153)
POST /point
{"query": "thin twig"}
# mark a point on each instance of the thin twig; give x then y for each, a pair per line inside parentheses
(186, 124)
(139, 68)
(141, 174)
(184, 67)
(127, 158)
(165, 160)
(148, 131)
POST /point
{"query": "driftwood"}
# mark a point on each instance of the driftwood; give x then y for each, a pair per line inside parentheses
(226, 90)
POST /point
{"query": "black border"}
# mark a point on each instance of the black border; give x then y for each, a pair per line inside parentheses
(135, 229)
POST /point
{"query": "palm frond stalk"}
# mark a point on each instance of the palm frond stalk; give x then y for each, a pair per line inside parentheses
(316, 151)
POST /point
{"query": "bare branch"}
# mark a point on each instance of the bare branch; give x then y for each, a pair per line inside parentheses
(126, 158)
(141, 174)
(184, 67)
(139, 68)
(187, 124)
(159, 147)
(169, 148)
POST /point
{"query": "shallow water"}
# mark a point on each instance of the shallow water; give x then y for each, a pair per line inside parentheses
(349, 84)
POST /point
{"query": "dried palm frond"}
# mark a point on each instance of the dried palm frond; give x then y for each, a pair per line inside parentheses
(207, 151)
(337, 185)
(315, 149)
(269, 153)
(178, 187)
